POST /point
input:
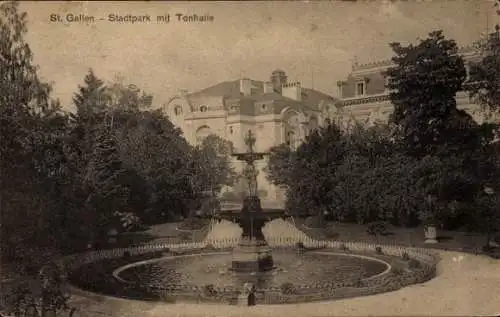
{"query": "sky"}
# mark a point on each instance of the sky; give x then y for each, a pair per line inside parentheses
(314, 42)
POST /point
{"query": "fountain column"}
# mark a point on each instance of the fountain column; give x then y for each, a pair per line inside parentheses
(252, 254)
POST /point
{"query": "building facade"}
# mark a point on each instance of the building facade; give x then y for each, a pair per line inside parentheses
(364, 97)
(276, 111)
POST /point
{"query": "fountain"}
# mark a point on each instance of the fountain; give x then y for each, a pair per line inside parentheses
(250, 273)
(252, 253)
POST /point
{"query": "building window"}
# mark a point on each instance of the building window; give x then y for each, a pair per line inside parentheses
(360, 88)
(231, 131)
(203, 108)
(178, 110)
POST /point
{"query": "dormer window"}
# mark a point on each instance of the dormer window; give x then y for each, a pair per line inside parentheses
(360, 88)
(203, 108)
(177, 110)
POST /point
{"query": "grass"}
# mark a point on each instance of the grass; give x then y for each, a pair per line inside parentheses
(449, 240)
(165, 233)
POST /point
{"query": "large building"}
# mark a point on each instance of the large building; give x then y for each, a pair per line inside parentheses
(276, 111)
(365, 98)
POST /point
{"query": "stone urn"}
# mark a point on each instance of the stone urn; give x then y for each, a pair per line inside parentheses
(430, 232)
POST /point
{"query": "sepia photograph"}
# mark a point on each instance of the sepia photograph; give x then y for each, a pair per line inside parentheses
(249, 158)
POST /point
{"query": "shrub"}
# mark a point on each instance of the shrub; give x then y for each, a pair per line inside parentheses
(359, 282)
(288, 288)
(343, 247)
(378, 250)
(377, 228)
(414, 264)
(314, 222)
(184, 236)
(330, 233)
(209, 290)
(397, 270)
(405, 256)
(488, 248)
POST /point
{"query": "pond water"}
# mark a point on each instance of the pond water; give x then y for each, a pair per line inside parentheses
(306, 268)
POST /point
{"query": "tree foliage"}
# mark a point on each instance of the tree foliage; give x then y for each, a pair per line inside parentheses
(67, 177)
(424, 82)
(387, 172)
(484, 79)
(212, 164)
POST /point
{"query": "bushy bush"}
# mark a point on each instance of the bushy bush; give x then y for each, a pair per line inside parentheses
(379, 228)
(359, 282)
(378, 249)
(128, 221)
(288, 288)
(405, 256)
(314, 222)
(414, 264)
(209, 290)
(397, 270)
(330, 233)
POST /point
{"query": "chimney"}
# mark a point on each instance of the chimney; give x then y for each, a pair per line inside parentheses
(292, 90)
(245, 87)
(268, 87)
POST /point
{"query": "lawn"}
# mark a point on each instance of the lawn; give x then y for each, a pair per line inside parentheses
(448, 240)
(164, 233)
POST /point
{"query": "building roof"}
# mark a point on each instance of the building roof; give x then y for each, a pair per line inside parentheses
(231, 90)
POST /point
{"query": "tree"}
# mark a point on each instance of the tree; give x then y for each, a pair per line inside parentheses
(484, 79)
(212, 166)
(127, 97)
(487, 214)
(312, 176)
(280, 165)
(32, 129)
(106, 181)
(154, 148)
(425, 81)
(91, 98)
